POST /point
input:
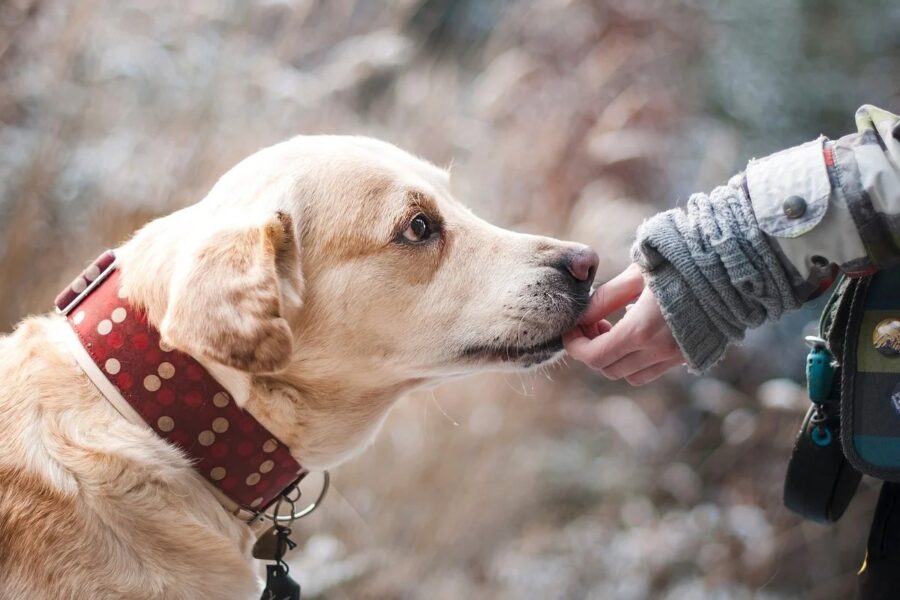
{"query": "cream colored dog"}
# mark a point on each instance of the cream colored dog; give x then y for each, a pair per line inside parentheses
(319, 280)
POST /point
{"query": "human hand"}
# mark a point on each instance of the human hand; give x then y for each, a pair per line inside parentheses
(640, 347)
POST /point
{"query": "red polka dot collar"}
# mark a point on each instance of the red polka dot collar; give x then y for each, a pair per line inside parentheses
(173, 394)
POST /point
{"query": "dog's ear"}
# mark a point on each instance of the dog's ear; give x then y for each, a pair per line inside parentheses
(229, 300)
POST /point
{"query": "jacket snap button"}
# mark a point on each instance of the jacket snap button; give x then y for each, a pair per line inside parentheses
(886, 337)
(794, 207)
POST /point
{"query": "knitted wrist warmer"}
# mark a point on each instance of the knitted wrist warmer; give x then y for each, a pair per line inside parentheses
(713, 272)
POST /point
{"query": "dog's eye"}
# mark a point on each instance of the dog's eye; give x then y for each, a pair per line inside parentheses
(419, 230)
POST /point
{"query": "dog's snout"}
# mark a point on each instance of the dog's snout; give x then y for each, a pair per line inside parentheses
(582, 264)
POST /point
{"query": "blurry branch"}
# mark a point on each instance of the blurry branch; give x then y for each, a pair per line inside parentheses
(30, 209)
(13, 18)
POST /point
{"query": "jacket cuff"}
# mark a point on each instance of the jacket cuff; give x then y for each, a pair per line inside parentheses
(790, 189)
(800, 199)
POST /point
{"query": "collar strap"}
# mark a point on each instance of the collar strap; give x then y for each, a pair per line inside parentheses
(173, 394)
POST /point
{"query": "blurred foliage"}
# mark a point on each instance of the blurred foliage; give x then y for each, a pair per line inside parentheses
(575, 118)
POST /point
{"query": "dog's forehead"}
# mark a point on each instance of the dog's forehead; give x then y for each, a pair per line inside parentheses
(353, 192)
(327, 181)
(358, 157)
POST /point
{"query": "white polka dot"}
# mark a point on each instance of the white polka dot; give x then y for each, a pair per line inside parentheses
(253, 478)
(104, 326)
(165, 423)
(79, 285)
(122, 293)
(164, 346)
(266, 466)
(92, 272)
(256, 503)
(270, 446)
(206, 437)
(112, 366)
(217, 473)
(152, 383)
(78, 318)
(220, 425)
(118, 315)
(166, 370)
(221, 399)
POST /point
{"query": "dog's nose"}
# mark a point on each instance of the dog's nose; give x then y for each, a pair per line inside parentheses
(582, 264)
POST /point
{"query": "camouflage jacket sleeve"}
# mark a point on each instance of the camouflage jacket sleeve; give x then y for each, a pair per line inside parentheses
(753, 249)
(832, 203)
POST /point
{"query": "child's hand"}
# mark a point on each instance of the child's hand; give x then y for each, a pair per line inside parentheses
(640, 347)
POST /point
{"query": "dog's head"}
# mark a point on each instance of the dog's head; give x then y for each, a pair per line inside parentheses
(326, 259)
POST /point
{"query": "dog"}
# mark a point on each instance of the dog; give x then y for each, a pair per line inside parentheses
(318, 281)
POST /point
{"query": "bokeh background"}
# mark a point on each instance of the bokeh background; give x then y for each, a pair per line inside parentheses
(573, 118)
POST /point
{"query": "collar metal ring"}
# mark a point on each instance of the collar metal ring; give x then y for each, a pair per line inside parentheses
(276, 518)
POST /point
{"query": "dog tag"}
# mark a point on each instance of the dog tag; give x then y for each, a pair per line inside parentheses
(279, 585)
(267, 546)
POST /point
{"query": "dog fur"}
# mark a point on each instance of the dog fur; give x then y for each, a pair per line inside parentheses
(294, 282)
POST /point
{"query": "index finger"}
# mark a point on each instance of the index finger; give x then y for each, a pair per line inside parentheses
(603, 350)
(614, 294)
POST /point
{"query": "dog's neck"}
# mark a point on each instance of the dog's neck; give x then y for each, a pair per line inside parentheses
(323, 422)
(298, 407)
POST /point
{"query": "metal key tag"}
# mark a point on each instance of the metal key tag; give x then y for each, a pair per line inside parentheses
(274, 543)
(266, 546)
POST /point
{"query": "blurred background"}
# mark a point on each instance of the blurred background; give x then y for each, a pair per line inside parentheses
(573, 118)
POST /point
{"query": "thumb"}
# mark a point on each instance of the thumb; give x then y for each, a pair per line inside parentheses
(614, 294)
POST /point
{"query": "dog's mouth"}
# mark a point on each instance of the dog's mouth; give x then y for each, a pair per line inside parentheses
(525, 355)
(559, 316)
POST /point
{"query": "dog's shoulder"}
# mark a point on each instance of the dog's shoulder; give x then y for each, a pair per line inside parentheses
(80, 485)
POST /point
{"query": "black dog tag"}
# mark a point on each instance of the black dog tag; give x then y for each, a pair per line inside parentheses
(273, 545)
(279, 585)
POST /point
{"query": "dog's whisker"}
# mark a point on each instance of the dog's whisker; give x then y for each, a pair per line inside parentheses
(545, 371)
(442, 411)
(525, 391)
(508, 383)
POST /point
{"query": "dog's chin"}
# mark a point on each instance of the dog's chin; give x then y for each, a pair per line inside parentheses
(522, 357)
(509, 355)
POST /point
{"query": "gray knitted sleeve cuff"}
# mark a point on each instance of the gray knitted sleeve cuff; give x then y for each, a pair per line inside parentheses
(713, 272)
